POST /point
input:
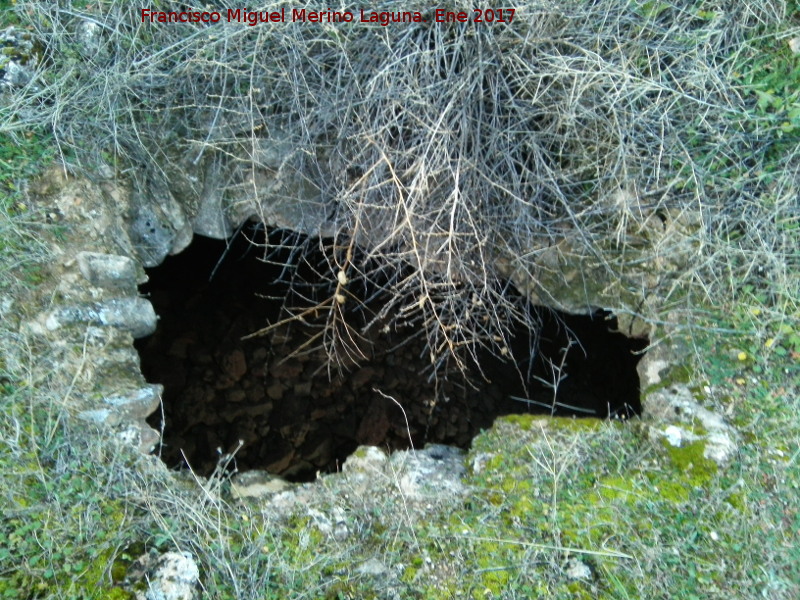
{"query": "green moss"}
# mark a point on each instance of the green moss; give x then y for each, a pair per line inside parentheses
(527, 422)
(525, 507)
(579, 591)
(409, 574)
(695, 468)
(511, 484)
(524, 422)
(677, 373)
(575, 424)
(495, 581)
(614, 488)
(738, 501)
(339, 591)
(117, 594)
(671, 490)
(361, 452)
(494, 463)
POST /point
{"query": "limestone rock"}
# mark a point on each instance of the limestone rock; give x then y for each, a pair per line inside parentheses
(366, 459)
(91, 39)
(676, 415)
(157, 226)
(140, 435)
(578, 570)
(108, 271)
(332, 522)
(151, 235)
(17, 59)
(372, 567)
(137, 404)
(127, 413)
(133, 314)
(434, 473)
(171, 576)
(210, 219)
(256, 484)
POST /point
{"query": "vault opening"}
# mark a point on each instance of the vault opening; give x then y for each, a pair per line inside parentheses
(277, 402)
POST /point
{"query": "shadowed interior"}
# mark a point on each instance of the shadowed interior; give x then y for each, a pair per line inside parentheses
(278, 403)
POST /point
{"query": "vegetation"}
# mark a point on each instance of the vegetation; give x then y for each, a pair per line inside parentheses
(646, 134)
(646, 520)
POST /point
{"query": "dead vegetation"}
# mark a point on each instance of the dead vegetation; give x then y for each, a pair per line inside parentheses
(443, 149)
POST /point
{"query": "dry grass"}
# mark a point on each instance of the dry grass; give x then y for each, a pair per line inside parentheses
(441, 149)
(468, 137)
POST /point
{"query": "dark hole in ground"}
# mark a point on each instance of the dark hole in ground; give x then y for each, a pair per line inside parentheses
(295, 416)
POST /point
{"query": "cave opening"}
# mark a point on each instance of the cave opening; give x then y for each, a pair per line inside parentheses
(274, 403)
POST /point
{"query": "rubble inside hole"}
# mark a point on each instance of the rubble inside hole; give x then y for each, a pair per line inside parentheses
(277, 403)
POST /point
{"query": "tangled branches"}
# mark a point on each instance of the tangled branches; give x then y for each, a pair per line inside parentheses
(600, 146)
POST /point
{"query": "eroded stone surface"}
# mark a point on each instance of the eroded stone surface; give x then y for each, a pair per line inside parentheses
(170, 576)
(211, 220)
(435, 472)
(109, 271)
(256, 484)
(152, 234)
(88, 306)
(133, 314)
(680, 420)
(17, 59)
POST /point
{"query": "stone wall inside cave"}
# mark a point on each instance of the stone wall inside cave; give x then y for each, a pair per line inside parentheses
(279, 403)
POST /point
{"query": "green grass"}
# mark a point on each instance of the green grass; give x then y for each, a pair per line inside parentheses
(21, 224)
(647, 520)
(59, 535)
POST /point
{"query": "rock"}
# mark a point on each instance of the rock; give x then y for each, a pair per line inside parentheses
(17, 59)
(365, 469)
(6, 304)
(108, 271)
(140, 435)
(235, 396)
(210, 219)
(302, 389)
(372, 567)
(275, 391)
(361, 377)
(674, 435)
(171, 576)
(157, 225)
(333, 523)
(151, 234)
(480, 461)
(100, 416)
(577, 570)
(375, 424)
(140, 403)
(234, 365)
(280, 457)
(133, 314)
(430, 474)
(256, 484)
(674, 413)
(90, 36)
(367, 460)
(318, 449)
